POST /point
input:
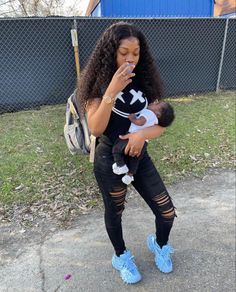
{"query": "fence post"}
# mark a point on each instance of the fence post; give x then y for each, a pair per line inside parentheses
(222, 56)
(74, 37)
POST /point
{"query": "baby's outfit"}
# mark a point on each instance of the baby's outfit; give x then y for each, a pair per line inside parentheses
(125, 164)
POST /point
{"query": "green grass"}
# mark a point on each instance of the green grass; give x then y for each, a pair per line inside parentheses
(35, 163)
(202, 136)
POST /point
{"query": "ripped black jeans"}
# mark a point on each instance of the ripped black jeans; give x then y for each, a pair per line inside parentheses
(147, 182)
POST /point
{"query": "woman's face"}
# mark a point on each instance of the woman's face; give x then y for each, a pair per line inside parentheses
(128, 51)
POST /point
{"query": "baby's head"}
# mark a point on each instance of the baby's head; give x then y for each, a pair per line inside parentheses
(164, 112)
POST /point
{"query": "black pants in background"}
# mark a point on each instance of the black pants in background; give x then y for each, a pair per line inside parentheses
(147, 182)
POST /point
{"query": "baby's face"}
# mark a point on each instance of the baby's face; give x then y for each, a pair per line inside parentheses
(156, 108)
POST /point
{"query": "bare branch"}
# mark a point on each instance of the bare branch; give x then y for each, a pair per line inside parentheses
(39, 8)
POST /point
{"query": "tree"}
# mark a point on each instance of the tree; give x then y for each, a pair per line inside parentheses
(19, 8)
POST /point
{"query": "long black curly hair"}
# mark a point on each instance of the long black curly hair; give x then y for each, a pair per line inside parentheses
(102, 65)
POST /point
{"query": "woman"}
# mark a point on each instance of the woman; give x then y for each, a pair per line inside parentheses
(120, 79)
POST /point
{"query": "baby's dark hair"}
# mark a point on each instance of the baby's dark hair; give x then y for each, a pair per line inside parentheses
(167, 115)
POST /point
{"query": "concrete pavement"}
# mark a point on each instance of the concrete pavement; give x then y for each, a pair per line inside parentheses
(203, 237)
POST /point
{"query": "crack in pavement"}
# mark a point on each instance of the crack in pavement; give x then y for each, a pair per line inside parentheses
(41, 270)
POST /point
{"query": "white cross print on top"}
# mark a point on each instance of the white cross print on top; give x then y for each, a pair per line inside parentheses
(136, 96)
(119, 96)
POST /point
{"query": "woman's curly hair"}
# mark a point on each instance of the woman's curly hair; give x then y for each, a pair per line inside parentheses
(102, 65)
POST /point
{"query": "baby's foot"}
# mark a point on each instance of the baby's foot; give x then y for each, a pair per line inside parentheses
(119, 169)
(127, 179)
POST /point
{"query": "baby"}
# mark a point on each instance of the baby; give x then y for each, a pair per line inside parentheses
(160, 113)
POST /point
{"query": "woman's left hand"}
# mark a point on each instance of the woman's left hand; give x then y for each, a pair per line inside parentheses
(135, 144)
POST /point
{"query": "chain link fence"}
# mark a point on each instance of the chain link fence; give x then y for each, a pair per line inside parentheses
(38, 68)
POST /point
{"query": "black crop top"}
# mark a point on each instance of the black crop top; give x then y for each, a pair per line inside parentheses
(130, 100)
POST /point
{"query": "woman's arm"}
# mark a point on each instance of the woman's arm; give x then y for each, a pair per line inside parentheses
(137, 139)
(98, 115)
(152, 132)
(98, 110)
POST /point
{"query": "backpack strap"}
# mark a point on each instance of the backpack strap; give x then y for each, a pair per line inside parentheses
(73, 109)
(87, 139)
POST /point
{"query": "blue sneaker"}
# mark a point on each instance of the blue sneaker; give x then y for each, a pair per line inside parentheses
(162, 255)
(126, 265)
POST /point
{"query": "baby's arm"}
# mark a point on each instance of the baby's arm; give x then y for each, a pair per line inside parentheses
(137, 121)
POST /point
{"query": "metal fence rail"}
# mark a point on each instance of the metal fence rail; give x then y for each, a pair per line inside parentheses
(228, 74)
(37, 62)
